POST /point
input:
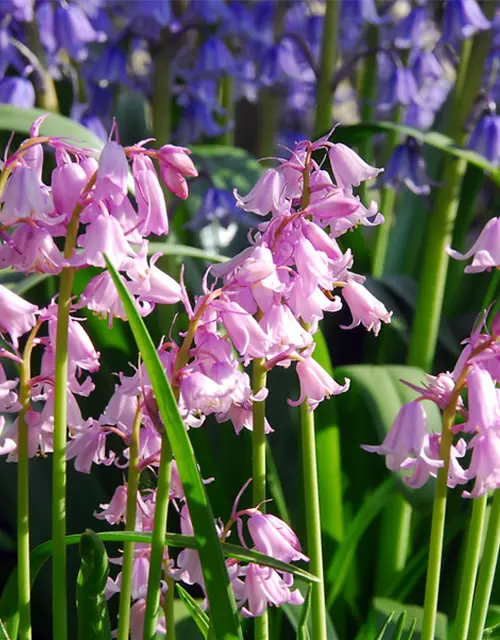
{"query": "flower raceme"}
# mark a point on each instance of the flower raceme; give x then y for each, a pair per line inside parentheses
(410, 447)
(264, 303)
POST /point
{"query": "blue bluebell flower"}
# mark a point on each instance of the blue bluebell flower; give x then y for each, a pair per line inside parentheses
(218, 205)
(66, 27)
(82, 114)
(200, 106)
(485, 138)
(21, 10)
(397, 84)
(406, 167)
(110, 67)
(414, 27)
(462, 19)
(148, 17)
(18, 92)
(214, 58)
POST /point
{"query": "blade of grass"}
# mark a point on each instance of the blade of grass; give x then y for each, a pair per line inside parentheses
(199, 616)
(219, 592)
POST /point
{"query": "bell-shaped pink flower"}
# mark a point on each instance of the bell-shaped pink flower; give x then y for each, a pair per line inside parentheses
(17, 317)
(103, 235)
(316, 384)
(264, 586)
(68, 182)
(427, 466)
(485, 463)
(112, 173)
(267, 195)
(483, 401)
(24, 197)
(114, 511)
(32, 249)
(245, 332)
(407, 438)
(88, 446)
(348, 168)
(365, 307)
(151, 284)
(274, 537)
(150, 199)
(486, 249)
(8, 397)
(284, 330)
(137, 613)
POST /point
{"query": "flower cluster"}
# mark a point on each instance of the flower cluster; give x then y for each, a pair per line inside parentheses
(410, 447)
(265, 304)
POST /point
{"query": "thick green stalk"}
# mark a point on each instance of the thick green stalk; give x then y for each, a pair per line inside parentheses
(46, 94)
(158, 542)
(268, 98)
(486, 572)
(59, 589)
(366, 92)
(162, 99)
(324, 90)
(387, 203)
(128, 547)
(23, 526)
(259, 375)
(169, 608)
(471, 564)
(441, 222)
(227, 102)
(313, 521)
(439, 509)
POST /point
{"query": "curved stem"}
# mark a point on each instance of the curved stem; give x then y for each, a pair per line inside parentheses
(158, 542)
(328, 63)
(128, 548)
(23, 527)
(486, 572)
(471, 564)
(313, 521)
(259, 375)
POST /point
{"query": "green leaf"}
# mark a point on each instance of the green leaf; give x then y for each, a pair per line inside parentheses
(345, 554)
(220, 596)
(380, 635)
(3, 632)
(20, 121)
(302, 630)
(199, 616)
(91, 604)
(411, 630)
(381, 607)
(295, 616)
(398, 631)
(184, 250)
(352, 134)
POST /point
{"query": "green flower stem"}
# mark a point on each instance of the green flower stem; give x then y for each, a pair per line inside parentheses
(328, 63)
(162, 98)
(441, 222)
(486, 572)
(23, 526)
(268, 98)
(313, 521)
(259, 375)
(128, 548)
(387, 203)
(59, 589)
(366, 91)
(439, 509)
(158, 542)
(227, 103)
(46, 94)
(169, 608)
(471, 564)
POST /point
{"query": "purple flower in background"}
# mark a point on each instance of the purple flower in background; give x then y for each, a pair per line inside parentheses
(414, 27)
(462, 19)
(485, 138)
(18, 92)
(398, 85)
(406, 167)
(218, 205)
(214, 58)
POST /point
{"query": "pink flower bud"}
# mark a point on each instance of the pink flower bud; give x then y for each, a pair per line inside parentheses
(274, 537)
